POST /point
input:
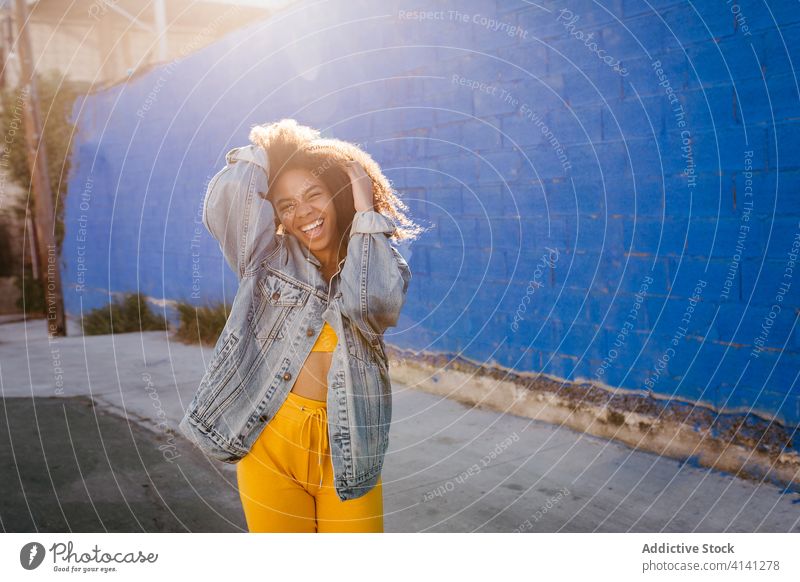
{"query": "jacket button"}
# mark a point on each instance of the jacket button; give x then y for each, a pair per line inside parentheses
(276, 295)
(287, 376)
(310, 331)
(262, 418)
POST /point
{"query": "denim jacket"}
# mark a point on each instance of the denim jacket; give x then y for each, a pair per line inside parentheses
(280, 306)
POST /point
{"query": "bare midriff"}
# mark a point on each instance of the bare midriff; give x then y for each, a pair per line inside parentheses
(312, 381)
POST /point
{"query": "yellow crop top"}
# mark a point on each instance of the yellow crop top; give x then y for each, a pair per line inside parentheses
(326, 341)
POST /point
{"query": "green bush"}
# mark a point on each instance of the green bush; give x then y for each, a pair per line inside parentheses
(132, 313)
(31, 293)
(201, 325)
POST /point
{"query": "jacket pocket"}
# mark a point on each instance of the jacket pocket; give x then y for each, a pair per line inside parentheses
(359, 347)
(366, 396)
(372, 394)
(278, 299)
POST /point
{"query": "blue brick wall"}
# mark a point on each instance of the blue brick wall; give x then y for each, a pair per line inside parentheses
(576, 200)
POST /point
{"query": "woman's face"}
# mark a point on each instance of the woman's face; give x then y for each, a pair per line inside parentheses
(300, 200)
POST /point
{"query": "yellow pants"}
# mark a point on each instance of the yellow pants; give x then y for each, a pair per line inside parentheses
(286, 480)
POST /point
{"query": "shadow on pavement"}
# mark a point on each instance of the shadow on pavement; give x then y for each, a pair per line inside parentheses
(70, 467)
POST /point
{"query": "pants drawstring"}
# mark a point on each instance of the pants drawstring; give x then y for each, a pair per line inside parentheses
(320, 415)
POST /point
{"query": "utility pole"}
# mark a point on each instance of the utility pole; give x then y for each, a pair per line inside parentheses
(40, 182)
(160, 21)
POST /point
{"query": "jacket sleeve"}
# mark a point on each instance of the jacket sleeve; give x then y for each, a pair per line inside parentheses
(233, 212)
(375, 276)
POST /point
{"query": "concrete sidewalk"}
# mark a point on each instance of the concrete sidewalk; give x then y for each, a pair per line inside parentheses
(450, 467)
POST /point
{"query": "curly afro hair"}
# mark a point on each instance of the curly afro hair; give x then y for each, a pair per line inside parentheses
(290, 145)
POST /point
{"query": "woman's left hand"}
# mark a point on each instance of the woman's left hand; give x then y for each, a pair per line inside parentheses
(363, 198)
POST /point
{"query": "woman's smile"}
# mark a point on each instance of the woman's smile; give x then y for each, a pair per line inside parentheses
(314, 229)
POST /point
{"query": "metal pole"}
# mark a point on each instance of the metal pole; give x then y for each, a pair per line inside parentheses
(40, 183)
(32, 242)
(160, 19)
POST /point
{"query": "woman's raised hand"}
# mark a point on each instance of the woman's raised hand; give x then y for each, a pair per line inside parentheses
(363, 198)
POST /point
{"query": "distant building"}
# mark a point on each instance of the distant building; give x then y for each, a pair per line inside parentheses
(103, 42)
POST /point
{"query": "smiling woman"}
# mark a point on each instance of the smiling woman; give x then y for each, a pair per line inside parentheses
(307, 208)
(306, 223)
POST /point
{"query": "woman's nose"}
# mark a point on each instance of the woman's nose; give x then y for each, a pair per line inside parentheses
(303, 209)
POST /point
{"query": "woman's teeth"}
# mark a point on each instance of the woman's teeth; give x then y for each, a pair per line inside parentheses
(314, 231)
